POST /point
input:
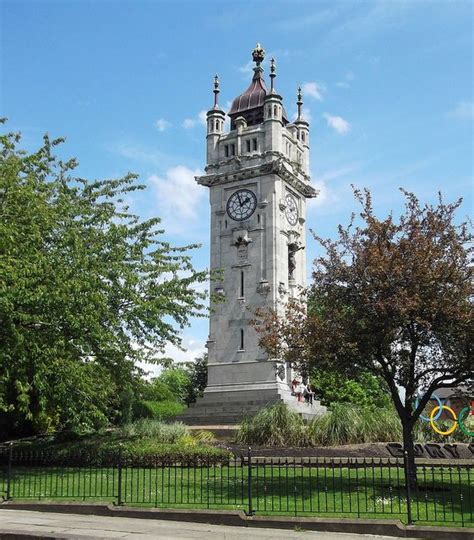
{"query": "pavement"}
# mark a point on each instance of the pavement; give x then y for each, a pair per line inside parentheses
(15, 523)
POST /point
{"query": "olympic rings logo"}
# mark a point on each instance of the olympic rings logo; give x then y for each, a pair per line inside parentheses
(457, 420)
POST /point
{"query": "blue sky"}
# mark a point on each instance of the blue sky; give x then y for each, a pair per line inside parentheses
(387, 87)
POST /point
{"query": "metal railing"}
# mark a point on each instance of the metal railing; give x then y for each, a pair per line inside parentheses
(356, 487)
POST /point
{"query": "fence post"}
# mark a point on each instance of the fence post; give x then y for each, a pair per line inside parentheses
(119, 478)
(249, 459)
(408, 489)
(9, 470)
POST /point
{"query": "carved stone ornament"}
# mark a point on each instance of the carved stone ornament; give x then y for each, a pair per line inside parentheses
(280, 371)
(263, 288)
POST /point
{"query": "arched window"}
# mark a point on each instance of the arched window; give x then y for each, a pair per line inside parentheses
(302, 136)
(275, 111)
(242, 343)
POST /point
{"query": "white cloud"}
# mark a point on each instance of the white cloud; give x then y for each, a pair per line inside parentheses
(178, 196)
(201, 118)
(247, 69)
(202, 115)
(463, 111)
(189, 123)
(161, 124)
(346, 83)
(337, 123)
(314, 90)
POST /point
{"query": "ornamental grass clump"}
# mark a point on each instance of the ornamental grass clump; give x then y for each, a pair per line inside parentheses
(275, 425)
(346, 424)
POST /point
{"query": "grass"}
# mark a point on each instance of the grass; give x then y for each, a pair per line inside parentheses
(445, 495)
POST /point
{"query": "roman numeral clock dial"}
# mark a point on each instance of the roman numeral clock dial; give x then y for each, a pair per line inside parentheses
(241, 204)
(291, 211)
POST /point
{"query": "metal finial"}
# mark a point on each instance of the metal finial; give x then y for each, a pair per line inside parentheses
(299, 102)
(216, 91)
(258, 54)
(272, 74)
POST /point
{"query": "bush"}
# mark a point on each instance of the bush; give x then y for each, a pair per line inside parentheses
(275, 425)
(159, 410)
(156, 430)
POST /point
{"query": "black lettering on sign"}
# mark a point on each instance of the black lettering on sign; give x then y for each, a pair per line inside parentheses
(419, 452)
(434, 450)
(396, 449)
(452, 449)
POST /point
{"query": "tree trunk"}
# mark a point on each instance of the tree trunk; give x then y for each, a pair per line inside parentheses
(409, 448)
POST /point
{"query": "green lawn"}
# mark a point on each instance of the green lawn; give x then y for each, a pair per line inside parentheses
(445, 495)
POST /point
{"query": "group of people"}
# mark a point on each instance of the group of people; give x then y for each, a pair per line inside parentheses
(302, 391)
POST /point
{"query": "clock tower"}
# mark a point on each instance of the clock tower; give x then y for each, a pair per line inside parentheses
(257, 174)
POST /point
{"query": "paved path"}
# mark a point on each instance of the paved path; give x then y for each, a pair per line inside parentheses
(80, 527)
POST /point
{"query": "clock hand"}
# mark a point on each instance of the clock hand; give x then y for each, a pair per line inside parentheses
(245, 202)
(240, 200)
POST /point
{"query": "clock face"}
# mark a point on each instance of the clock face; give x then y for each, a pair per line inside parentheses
(241, 204)
(291, 211)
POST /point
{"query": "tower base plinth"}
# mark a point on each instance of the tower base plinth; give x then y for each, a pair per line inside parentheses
(223, 405)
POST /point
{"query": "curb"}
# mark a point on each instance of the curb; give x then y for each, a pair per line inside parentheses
(383, 527)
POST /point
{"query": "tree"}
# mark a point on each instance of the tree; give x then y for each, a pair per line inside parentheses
(198, 378)
(86, 291)
(177, 380)
(363, 390)
(390, 298)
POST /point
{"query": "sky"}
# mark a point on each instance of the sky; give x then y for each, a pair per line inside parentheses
(387, 85)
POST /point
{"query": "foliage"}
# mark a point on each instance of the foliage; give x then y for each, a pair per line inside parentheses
(389, 298)
(198, 378)
(153, 429)
(275, 425)
(144, 441)
(86, 291)
(342, 424)
(155, 390)
(178, 381)
(346, 424)
(365, 390)
(159, 410)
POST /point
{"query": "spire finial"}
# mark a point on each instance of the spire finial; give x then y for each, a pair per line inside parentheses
(272, 75)
(258, 54)
(299, 102)
(216, 92)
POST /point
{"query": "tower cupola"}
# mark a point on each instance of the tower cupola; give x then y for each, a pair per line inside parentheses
(250, 104)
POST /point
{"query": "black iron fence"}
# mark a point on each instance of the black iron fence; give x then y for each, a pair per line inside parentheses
(297, 486)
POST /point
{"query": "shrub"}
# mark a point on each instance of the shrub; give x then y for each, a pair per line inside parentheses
(156, 430)
(275, 425)
(159, 410)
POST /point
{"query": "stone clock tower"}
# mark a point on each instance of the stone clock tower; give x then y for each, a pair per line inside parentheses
(258, 179)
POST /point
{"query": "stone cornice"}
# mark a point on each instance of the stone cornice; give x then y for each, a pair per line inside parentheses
(278, 166)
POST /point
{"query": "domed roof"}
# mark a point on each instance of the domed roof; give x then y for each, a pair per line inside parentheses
(250, 103)
(253, 97)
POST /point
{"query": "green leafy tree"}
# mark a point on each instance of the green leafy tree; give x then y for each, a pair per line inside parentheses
(87, 290)
(198, 378)
(363, 390)
(177, 380)
(390, 298)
